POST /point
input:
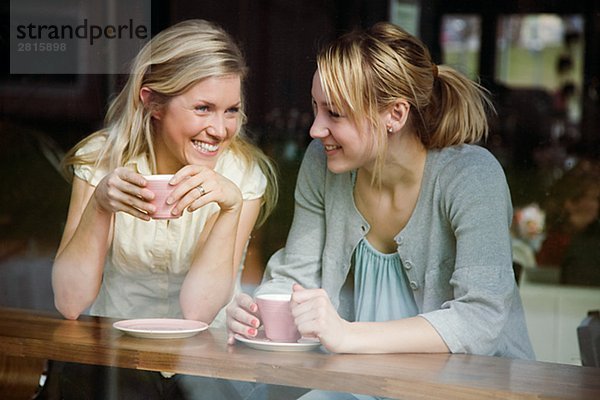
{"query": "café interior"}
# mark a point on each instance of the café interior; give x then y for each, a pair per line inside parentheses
(540, 61)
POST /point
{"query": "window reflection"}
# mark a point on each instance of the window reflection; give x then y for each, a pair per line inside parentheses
(537, 89)
(461, 43)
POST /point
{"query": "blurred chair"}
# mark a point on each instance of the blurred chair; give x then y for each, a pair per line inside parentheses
(588, 336)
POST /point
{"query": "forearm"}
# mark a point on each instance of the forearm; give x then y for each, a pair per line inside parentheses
(209, 283)
(410, 335)
(78, 266)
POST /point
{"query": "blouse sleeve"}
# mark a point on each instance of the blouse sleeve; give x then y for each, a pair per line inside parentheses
(253, 187)
(249, 178)
(89, 172)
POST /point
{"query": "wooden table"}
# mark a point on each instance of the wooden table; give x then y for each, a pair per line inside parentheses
(92, 340)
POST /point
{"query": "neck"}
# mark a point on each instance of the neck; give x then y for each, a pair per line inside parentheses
(165, 163)
(403, 164)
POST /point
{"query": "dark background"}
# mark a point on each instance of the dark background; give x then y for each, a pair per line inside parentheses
(42, 116)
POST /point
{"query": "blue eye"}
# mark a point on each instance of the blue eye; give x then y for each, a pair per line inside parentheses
(201, 108)
(233, 110)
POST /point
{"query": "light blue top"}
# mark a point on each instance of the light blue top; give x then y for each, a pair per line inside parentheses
(381, 290)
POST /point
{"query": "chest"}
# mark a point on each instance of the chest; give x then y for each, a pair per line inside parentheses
(387, 214)
(156, 246)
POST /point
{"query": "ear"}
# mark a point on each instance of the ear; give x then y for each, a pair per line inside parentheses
(146, 98)
(398, 115)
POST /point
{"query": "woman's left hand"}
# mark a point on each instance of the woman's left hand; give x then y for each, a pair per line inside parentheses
(315, 316)
(197, 186)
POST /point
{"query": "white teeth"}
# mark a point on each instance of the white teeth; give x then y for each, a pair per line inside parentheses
(205, 146)
(331, 147)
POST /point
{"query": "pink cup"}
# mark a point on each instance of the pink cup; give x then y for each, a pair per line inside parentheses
(276, 316)
(159, 184)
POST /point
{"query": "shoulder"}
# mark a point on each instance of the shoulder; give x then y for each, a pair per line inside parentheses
(468, 175)
(246, 174)
(315, 157)
(87, 153)
(465, 161)
(91, 144)
(313, 169)
(466, 155)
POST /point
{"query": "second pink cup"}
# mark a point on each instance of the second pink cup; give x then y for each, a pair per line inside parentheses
(159, 184)
(276, 316)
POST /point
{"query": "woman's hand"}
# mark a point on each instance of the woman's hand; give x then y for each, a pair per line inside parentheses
(198, 186)
(315, 316)
(242, 317)
(124, 190)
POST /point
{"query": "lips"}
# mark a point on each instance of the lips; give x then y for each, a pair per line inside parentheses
(332, 147)
(205, 147)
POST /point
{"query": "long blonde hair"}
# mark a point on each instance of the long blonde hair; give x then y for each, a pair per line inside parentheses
(365, 71)
(169, 64)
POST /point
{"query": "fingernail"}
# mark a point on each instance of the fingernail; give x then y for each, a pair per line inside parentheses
(169, 200)
(251, 331)
(254, 308)
(255, 323)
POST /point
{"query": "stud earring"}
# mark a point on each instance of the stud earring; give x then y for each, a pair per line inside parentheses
(389, 129)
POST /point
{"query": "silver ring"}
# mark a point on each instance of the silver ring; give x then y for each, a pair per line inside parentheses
(201, 190)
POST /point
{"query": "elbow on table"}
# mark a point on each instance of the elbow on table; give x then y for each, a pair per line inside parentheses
(202, 311)
(67, 310)
(200, 314)
(70, 300)
(204, 307)
(68, 314)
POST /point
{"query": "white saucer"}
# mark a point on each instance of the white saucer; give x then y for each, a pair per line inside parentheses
(161, 328)
(260, 342)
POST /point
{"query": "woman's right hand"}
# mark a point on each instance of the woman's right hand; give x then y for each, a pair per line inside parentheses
(124, 190)
(242, 317)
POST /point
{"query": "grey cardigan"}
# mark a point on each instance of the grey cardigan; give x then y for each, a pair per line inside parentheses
(455, 248)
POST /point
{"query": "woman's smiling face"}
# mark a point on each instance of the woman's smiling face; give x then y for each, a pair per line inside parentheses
(346, 146)
(196, 126)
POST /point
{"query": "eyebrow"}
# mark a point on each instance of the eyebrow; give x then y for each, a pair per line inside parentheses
(323, 103)
(209, 103)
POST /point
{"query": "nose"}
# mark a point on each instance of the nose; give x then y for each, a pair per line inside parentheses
(318, 130)
(217, 127)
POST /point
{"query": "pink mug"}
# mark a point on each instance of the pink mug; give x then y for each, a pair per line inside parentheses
(276, 316)
(159, 184)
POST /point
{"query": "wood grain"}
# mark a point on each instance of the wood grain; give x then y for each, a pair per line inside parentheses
(93, 340)
(19, 376)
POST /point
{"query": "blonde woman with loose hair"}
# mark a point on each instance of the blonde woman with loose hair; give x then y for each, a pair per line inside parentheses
(400, 240)
(180, 113)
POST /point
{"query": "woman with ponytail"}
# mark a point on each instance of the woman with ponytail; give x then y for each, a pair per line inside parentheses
(400, 239)
(180, 113)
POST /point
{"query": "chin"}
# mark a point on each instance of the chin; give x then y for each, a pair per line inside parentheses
(204, 163)
(208, 162)
(337, 168)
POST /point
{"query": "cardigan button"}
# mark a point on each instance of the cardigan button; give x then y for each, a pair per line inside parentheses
(414, 285)
(407, 265)
(399, 240)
